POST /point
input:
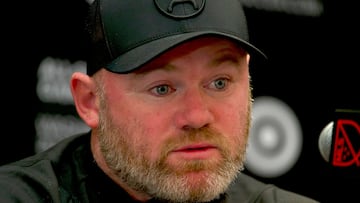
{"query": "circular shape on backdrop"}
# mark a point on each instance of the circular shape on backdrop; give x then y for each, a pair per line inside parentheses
(275, 141)
(325, 141)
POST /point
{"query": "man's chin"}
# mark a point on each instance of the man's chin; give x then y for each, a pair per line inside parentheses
(194, 168)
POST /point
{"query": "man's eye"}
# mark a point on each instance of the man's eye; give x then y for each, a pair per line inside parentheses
(219, 84)
(161, 90)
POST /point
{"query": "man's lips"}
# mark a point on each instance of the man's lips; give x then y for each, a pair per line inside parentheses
(194, 147)
(196, 151)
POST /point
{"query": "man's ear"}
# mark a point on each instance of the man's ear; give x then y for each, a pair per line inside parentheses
(83, 90)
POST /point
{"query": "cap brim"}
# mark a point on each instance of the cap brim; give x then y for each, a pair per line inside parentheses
(140, 55)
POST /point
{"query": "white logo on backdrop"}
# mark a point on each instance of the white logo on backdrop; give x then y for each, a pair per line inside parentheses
(275, 141)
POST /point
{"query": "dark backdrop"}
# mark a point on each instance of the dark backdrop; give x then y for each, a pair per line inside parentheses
(312, 67)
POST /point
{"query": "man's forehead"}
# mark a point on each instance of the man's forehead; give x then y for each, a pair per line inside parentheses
(220, 48)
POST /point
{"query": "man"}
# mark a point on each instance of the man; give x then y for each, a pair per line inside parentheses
(167, 95)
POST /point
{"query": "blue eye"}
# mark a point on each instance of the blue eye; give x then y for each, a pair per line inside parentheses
(161, 90)
(220, 83)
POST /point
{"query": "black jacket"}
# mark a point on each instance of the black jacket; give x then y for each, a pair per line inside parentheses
(67, 173)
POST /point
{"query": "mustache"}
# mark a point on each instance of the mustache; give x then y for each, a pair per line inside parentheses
(189, 136)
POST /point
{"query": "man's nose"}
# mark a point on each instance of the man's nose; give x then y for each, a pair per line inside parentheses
(194, 110)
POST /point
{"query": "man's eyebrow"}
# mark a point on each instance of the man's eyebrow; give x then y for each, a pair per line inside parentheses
(226, 56)
(167, 67)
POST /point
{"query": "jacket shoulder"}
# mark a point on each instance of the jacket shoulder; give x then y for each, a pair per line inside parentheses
(248, 189)
(36, 178)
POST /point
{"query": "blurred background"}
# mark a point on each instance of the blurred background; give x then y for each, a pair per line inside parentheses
(312, 47)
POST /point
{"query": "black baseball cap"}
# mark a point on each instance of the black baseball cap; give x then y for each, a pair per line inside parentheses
(126, 34)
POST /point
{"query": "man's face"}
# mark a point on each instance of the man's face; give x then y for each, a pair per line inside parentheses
(177, 128)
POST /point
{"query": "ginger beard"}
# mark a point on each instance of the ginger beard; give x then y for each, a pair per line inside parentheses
(159, 179)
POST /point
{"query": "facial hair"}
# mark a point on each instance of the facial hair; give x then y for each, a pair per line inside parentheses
(157, 178)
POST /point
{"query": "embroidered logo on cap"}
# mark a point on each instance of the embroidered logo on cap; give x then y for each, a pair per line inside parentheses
(180, 8)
